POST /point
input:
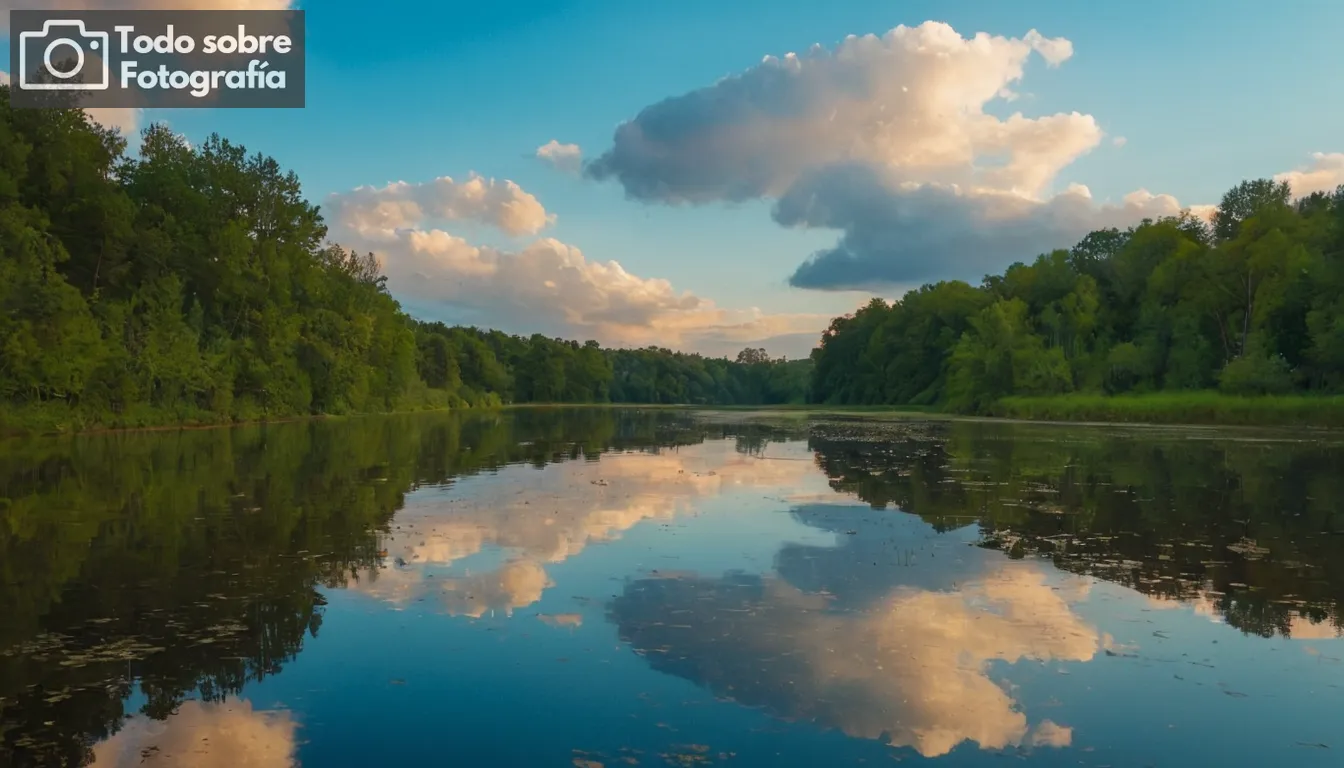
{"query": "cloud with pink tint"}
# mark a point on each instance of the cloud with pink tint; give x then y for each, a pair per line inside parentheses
(1325, 173)
(230, 734)
(382, 211)
(911, 100)
(547, 285)
(564, 157)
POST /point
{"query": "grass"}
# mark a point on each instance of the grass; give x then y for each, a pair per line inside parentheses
(57, 417)
(1178, 408)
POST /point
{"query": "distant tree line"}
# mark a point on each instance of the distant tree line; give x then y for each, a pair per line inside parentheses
(474, 365)
(196, 283)
(1252, 304)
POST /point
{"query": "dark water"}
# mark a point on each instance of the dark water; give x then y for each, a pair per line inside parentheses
(608, 588)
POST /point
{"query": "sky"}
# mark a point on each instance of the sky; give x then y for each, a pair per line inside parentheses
(708, 175)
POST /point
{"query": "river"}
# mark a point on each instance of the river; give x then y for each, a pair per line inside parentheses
(608, 587)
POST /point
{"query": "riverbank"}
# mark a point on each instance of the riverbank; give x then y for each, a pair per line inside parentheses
(1178, 408)
(57, 418)
(1202, 408)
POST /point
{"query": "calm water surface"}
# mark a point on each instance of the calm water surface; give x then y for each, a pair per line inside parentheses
(607, 588)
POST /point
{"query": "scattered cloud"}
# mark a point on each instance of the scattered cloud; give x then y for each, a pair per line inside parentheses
(124, 119)
(1325, 173)
(1050, 734)
(204, 735)
(565, 157)
(381, 211)
(546, 285)
(1119, 141)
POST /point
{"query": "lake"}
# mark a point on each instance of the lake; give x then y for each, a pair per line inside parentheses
(593, 587)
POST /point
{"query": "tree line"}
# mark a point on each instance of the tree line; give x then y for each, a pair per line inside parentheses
(1249, 304)
(195, 283)
(474, 366)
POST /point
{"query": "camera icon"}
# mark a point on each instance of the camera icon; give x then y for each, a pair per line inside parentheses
(63, 44)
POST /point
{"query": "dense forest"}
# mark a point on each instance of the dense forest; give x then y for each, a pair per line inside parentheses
(1252, 304)
(196, 284)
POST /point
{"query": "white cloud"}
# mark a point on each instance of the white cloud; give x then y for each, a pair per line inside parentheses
(545, 286)
(888, 140)
(565, 157)
(911, 101)
(381, 211)
(203, 735)
(1325, 173)
(1119, 141)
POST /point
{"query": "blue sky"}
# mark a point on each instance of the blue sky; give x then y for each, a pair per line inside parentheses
(1204, 94)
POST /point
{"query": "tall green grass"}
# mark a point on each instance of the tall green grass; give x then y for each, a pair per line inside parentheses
(1178, 408)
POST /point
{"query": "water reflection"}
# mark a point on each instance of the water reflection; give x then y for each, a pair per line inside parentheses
(205, 735)
(912, 670)
(538, 519)
(890, 581)
(1250, 526)
(187, 565)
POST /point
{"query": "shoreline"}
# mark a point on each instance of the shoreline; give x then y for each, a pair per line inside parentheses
(1193, 409)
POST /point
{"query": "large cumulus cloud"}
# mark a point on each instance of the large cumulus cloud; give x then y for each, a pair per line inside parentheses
(892, 140)
(911, 100)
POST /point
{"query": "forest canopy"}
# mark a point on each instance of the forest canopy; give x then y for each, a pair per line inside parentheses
(196, 284)
(1249, 304)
